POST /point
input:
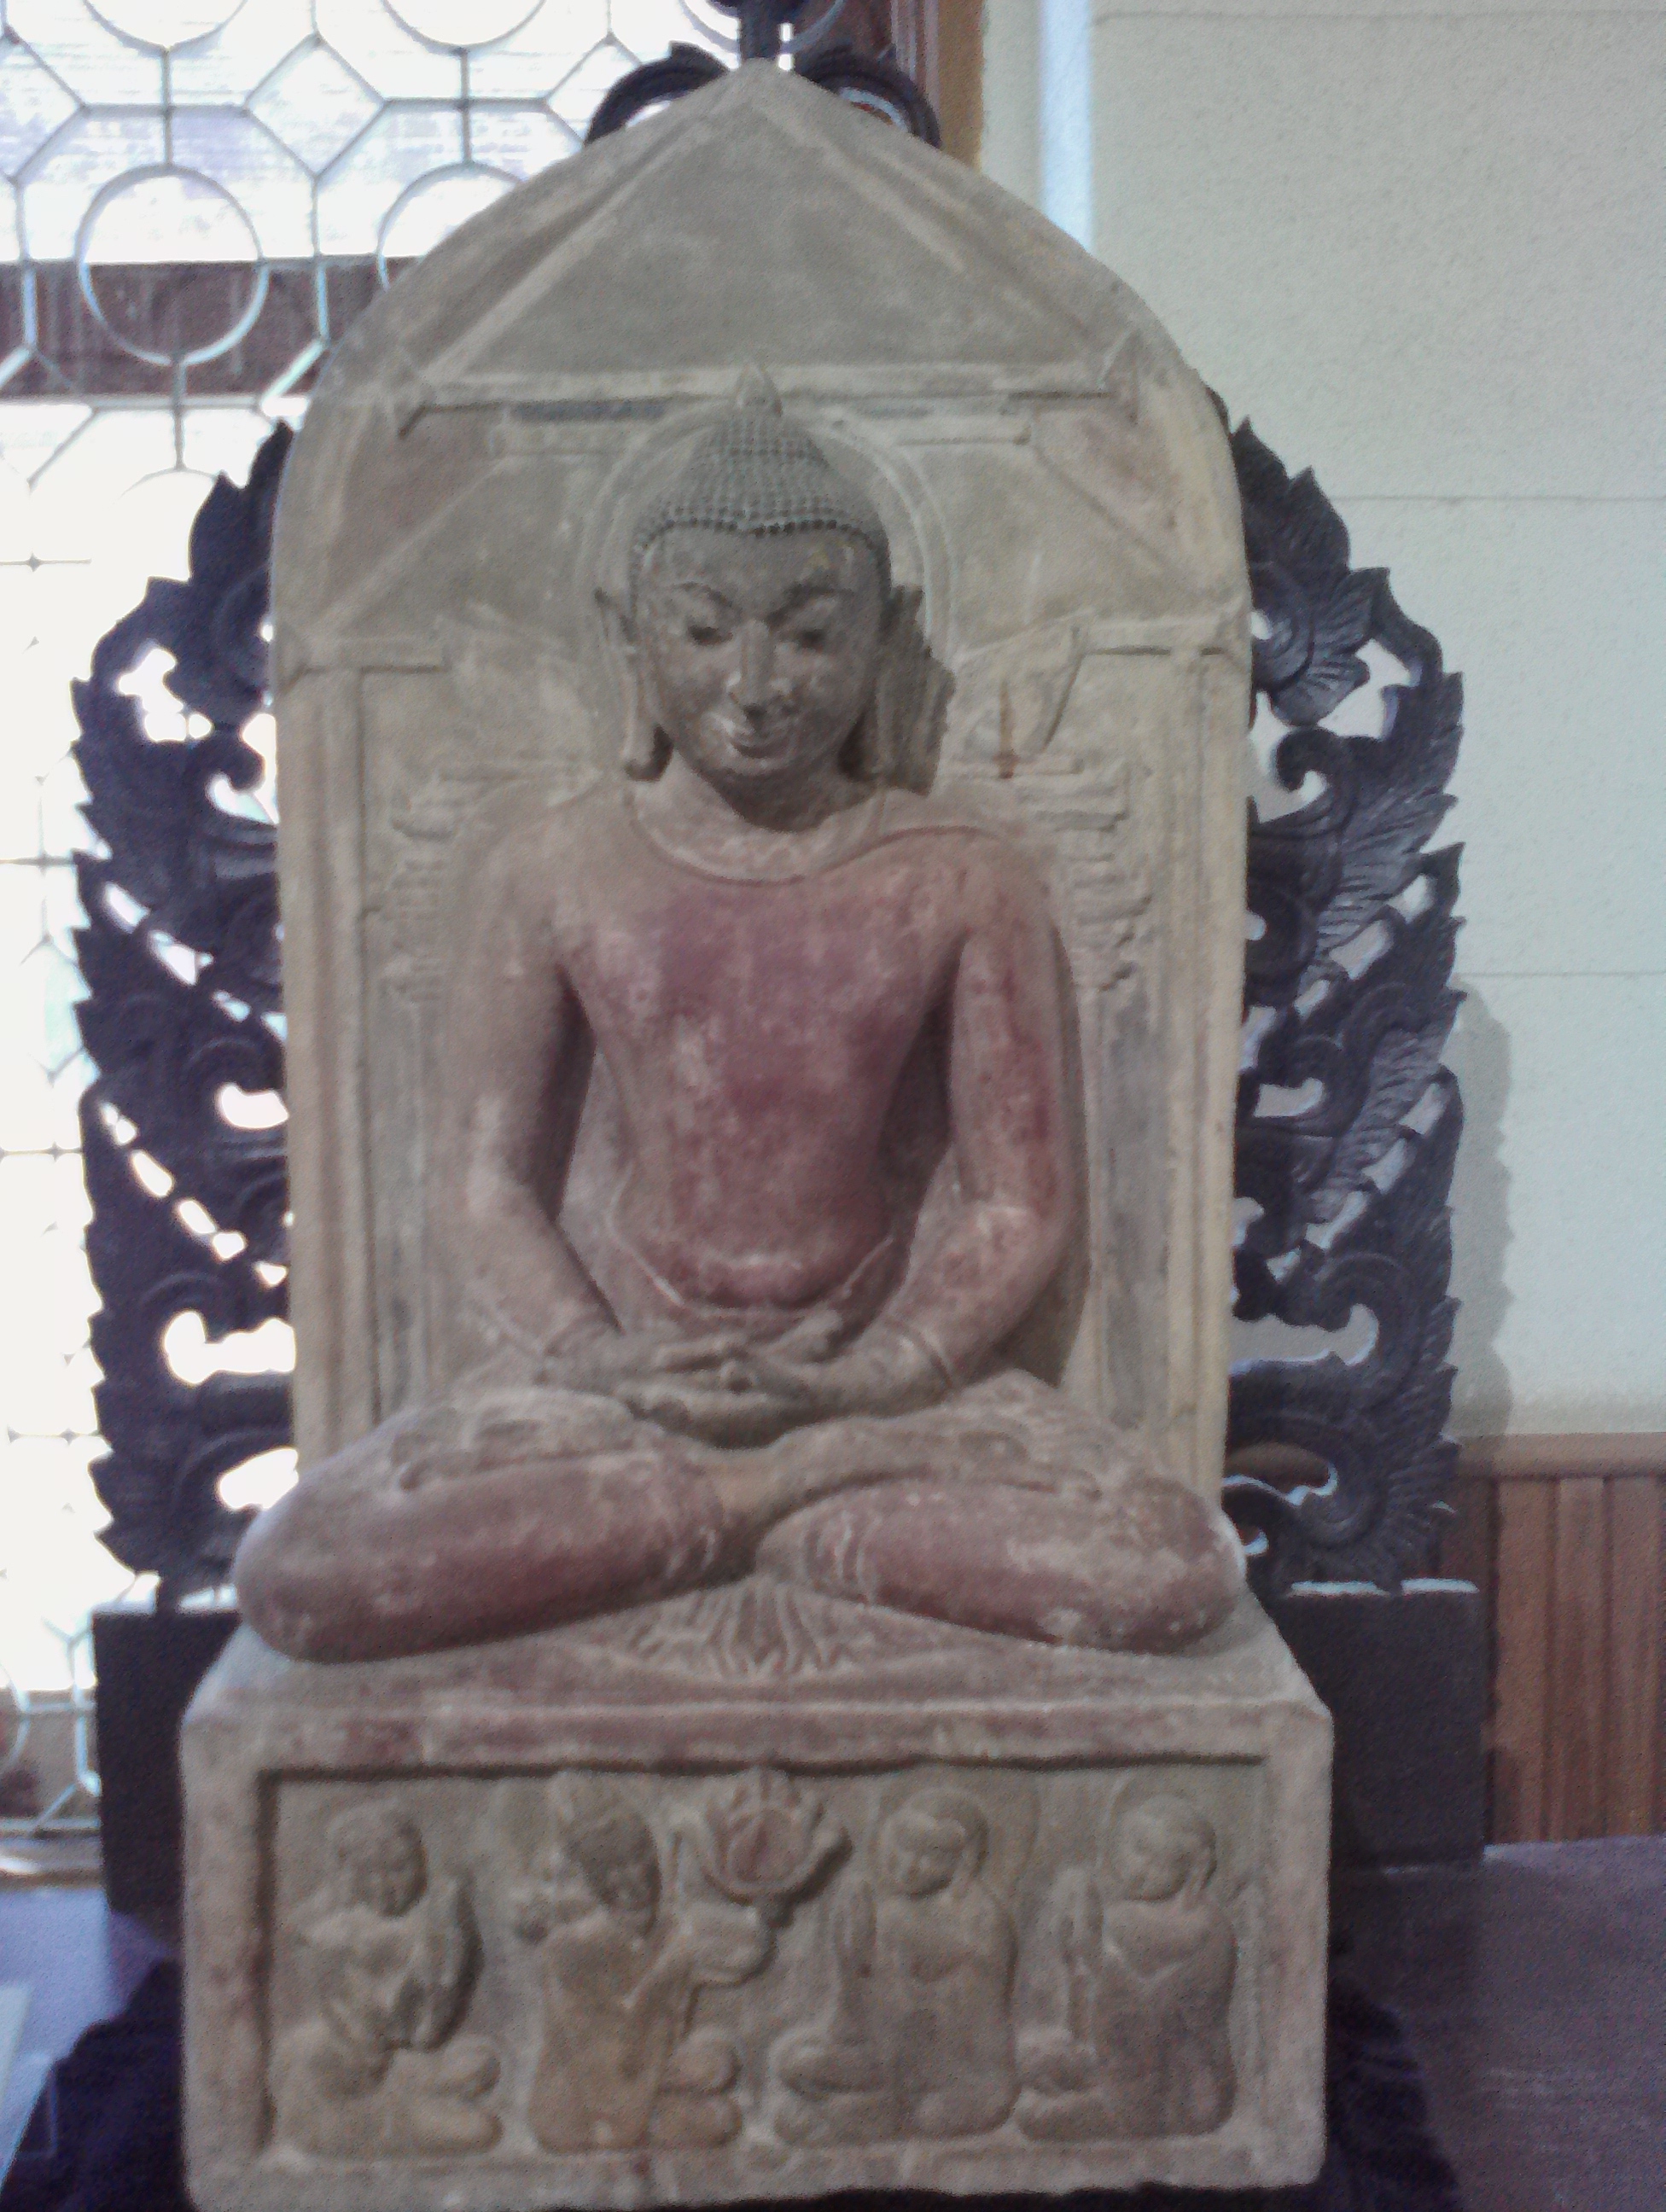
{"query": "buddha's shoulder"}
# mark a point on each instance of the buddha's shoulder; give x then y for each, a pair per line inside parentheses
(940, 813)
(932, 823)
(563, 827)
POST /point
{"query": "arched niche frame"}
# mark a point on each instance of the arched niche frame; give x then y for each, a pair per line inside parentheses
(1062, 489)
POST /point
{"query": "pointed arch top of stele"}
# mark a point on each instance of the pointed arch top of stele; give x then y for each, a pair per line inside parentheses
(1057, 487)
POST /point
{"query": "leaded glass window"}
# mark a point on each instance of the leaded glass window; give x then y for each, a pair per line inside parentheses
(196, 197)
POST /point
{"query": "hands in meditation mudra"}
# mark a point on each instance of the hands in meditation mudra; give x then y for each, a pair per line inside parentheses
(830, 1013)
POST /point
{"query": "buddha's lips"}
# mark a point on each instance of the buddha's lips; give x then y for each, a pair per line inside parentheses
(759, 745)
(769, 731)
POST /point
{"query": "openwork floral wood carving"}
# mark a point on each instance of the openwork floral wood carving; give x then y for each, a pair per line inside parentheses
(180, 957)
(1348, 1005)
(845, 47)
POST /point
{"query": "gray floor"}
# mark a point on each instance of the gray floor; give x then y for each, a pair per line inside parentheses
(1534, 1991)
(80, 1962)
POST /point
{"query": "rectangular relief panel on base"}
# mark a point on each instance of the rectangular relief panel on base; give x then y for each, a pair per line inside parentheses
(461, 1941)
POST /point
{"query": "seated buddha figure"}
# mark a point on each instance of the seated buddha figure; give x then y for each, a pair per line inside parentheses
(827, 1012)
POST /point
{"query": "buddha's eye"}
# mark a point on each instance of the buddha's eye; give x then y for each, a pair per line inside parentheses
(706, 634)
(811, 641)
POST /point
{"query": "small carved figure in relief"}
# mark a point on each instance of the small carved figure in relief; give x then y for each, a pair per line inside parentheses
(809, 1024)
(1141, 1966)
(920, 2039)
(393, 1955)
(622, 2063)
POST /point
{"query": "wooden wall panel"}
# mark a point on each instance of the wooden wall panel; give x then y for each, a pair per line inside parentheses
(1575, 1762)
(1521, 1658)
(1565, 1539)
(940, 45)
(1469, 1551)
(1636, 1767)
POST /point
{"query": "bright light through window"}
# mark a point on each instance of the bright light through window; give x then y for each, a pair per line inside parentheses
(287, 152)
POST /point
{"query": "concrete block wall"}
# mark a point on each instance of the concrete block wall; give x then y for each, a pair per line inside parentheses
(1424, 249)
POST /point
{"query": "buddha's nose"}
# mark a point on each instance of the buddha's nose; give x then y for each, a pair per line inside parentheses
(751, 685)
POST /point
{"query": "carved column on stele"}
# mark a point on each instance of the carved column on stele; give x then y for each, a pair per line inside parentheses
(770, 1885)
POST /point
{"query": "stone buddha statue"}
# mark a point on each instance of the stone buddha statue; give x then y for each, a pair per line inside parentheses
(830, 1011)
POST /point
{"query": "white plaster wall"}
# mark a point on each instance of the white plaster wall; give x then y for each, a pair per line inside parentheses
(1424, 249)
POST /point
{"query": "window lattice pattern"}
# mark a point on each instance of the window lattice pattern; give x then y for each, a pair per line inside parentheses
(196, 197)
(271, 131)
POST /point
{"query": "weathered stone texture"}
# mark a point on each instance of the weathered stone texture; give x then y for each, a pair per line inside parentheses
(753, 1893)
(1056, 487)
(819, 1876)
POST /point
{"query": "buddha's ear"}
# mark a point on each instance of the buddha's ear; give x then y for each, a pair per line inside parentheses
(904, 722)
(645, 752)
(902, 606)
(616, 625)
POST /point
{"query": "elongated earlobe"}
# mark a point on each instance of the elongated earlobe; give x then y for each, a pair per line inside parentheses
(646, 751)
(904, 727)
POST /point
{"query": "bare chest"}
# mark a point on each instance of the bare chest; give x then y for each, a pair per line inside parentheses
(838, 972)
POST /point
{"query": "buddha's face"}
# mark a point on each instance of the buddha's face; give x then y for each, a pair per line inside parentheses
(757, 654)
(1151, 1860)
(384, 1869)
(917, 1858)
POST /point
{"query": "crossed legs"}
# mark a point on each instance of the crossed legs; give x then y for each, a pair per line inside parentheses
(1003, 1509)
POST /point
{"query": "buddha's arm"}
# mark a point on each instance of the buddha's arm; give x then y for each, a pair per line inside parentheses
(510, 1026)
(1007, 1123)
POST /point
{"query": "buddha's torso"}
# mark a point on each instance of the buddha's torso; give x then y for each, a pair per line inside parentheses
(764, 1038)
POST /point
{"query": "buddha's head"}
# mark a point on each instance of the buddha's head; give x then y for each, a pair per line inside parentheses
(936, 1836)
(379, 1859)
(1161, 1849)
(605, 1854)
(761, 603)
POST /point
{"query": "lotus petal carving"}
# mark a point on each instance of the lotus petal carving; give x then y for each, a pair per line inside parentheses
(762, 1841)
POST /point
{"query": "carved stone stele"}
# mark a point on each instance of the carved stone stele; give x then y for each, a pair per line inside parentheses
(1054, 481)
(807, 1879)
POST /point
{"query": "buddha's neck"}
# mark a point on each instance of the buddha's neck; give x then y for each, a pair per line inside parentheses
(814, 827)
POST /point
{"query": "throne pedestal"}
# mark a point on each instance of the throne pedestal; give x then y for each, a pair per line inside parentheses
(934, 1908)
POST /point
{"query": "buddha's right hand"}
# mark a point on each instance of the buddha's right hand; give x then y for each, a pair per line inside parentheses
(608, 1361)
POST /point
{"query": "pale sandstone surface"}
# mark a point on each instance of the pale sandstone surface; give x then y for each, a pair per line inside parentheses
(1053, 484)
(756, 1889)
(750, 1893)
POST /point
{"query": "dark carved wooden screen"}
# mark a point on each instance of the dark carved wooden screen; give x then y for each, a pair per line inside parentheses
(181, 957)
(1348, 1003)
(1336, 1466)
